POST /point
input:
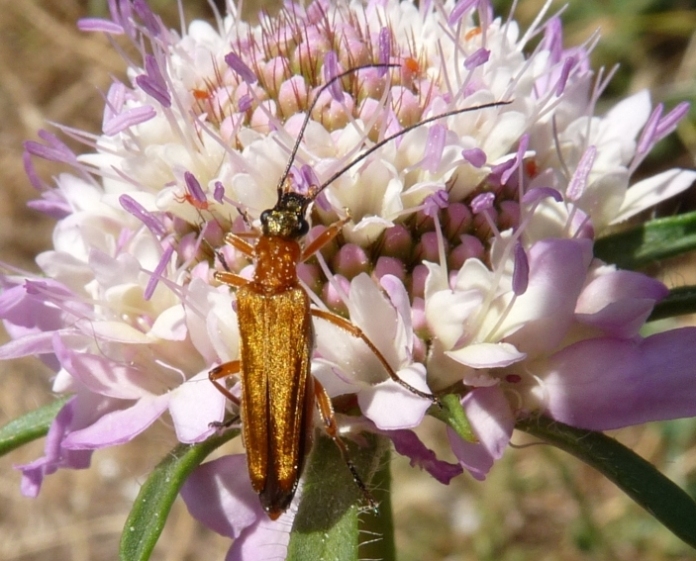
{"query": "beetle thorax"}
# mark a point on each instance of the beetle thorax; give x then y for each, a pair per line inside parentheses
(276, 263)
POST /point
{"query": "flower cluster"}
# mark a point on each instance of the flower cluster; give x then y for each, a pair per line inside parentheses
(467, 258)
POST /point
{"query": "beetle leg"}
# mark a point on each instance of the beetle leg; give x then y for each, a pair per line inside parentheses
(322, 239)
(223, 371)
(240, 244)
(231, 279)
(327, 414)
(355, 331)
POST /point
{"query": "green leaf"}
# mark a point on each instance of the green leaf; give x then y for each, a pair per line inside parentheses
(649, 242)
(680, 301)
(156, 496)
(29, 427)
(327, 525)
(638, 478)
(452, 413)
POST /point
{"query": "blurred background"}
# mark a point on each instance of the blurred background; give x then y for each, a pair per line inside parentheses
(538, 503)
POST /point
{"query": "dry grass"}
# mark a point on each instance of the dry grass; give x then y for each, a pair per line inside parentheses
(537, 504)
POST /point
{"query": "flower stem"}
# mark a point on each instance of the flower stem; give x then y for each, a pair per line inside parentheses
(377, 527)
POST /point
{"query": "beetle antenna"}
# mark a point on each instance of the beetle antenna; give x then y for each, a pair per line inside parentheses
(402, 132)
(312, 105)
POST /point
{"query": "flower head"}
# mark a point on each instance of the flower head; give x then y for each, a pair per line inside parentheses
(466, 258)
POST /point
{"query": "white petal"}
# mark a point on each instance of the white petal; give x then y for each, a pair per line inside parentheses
(649, 192)
(487, 355)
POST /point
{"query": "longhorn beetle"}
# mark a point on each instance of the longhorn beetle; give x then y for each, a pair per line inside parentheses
(277, 337)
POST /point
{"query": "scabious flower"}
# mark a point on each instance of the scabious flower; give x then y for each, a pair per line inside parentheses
(467, 259)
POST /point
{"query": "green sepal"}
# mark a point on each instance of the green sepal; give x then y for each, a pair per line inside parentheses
(453, 415)
(327, 524)
(31, 426)
(151, 508)
(637, 477)
(651, 241)
(680, 301)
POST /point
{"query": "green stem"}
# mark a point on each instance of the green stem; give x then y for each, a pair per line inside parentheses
(638, 478)
(377, 527)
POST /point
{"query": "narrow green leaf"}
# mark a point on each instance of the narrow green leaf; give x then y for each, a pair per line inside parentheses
(151, 508)
(681, 300)
(649, 242)
(638, 478)
(452, 413)
(327, 526)
(31, 426)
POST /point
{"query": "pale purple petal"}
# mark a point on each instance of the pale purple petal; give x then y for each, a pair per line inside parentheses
(192, 422)
(491, 419)
(487, 355)
(120, 426)
(266, 540)
(28, 309)
(653, 190)
(29, 345)
(219, 495)
(434, 147)
(55, 456)
(607, 383)
(390, 406)
(540, 317)
(619, 302)
(399, 298)
(101, 374)
(447, 311)
(408, 444)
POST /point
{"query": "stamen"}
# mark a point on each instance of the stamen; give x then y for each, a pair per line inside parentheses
(157, 273)
(578, 183)
(153, 83)
(239, 66)
(133, 207)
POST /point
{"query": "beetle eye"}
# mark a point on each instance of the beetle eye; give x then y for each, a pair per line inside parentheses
(302, 228)
(264, 217)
